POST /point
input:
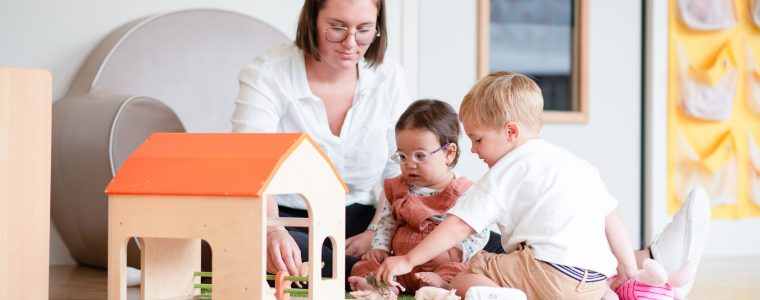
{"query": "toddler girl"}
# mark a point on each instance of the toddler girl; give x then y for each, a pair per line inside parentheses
(418, 199)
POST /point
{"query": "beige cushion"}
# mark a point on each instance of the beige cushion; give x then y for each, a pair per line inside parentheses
(171, 72)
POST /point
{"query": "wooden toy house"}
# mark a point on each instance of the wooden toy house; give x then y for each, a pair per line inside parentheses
(179, 188)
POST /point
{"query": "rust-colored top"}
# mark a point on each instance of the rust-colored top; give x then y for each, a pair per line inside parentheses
(207, 164)
(411, 212)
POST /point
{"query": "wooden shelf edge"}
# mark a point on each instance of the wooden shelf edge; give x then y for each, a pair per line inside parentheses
(565, 117)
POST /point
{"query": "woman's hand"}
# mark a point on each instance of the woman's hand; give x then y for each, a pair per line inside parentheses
(359, 244)
(391, 267)
(378, 254)
(283, 253)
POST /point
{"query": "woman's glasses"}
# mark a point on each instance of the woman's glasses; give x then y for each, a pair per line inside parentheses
(419, 156)
(338, 34)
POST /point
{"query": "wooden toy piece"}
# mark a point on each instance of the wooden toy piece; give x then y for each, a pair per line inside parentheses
(177, 189)
(25, 141)
(280, 283)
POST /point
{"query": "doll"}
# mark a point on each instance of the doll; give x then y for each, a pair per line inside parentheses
(654, 283)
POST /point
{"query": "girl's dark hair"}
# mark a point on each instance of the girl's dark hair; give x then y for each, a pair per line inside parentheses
(435, 116)
(306, 34)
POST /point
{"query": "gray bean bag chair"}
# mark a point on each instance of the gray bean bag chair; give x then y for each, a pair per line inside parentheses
(170, 72)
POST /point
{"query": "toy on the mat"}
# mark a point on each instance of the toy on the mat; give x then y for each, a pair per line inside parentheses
(653, 282)
(382, 288)
(372, 295)
(179, 188)
(381, 292)
(434, 293)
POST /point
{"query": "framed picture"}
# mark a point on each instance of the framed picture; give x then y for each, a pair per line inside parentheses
(544, 39)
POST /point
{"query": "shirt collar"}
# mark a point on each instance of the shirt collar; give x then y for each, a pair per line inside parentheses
(368, 79)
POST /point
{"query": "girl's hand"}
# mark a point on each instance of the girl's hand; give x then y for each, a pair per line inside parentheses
(435, 262)
(359, 244)
(391, 267)
(455, 254)
(452, 255)
(378, 254)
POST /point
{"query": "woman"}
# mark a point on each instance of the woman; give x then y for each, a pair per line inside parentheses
(335, 85)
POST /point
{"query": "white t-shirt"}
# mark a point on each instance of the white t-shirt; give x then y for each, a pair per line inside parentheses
(545, 196)
(275, 97)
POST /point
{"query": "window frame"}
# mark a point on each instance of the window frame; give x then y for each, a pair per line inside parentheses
(579, 69)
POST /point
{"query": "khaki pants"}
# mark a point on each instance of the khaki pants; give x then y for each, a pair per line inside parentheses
(536, 278)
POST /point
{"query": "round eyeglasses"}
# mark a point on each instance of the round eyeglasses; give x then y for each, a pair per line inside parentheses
(338, 34)
(419, 156)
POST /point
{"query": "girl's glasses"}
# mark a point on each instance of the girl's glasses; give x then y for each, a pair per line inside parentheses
(338, 34)
(419, 156)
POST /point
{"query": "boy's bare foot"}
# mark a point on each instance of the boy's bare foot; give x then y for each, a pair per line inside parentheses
(432, 279)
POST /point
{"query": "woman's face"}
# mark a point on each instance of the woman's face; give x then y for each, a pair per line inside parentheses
(352, 14)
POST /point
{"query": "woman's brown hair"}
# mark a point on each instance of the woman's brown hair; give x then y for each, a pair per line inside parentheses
(306, 34)
(435, 116)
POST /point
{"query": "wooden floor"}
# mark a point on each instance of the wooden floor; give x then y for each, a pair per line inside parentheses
(717, 278)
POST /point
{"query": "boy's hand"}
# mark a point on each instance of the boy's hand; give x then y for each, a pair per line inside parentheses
(378, 254)
(393, 266)
(619, 280)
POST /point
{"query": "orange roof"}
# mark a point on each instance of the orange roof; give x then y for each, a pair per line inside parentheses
(208, 164)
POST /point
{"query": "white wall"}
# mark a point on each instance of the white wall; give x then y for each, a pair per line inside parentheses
(435, 40)
(611, 140)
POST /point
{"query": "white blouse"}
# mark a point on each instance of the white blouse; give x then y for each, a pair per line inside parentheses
(275, 97)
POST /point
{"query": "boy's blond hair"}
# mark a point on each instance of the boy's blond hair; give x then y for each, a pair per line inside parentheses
(501, 97)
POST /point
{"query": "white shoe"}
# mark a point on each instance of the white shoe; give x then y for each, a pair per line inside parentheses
(133, 276)
(686, 236)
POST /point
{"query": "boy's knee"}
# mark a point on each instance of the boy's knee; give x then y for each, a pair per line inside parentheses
(466, 279)
(460, 282)
(463, 273)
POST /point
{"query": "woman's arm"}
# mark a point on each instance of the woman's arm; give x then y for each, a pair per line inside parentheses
(257, 111)
(359, 244)
(256, 107)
